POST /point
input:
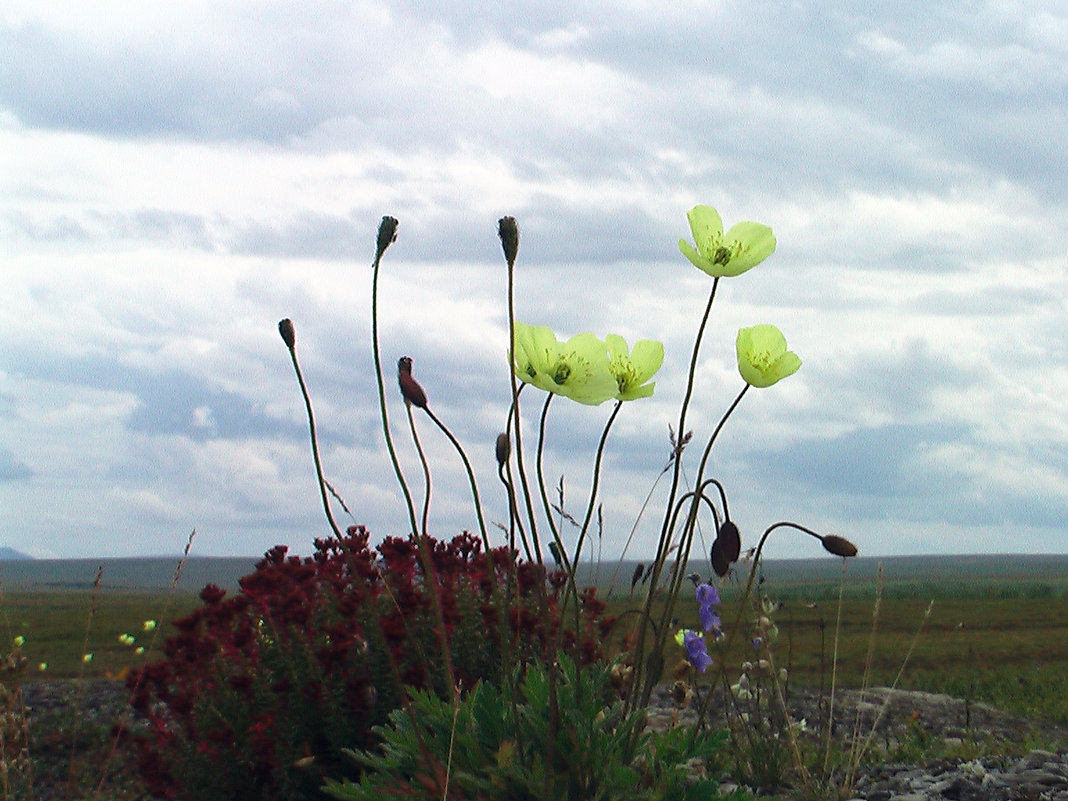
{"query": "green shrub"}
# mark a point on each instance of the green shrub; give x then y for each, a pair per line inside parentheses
(560, 736)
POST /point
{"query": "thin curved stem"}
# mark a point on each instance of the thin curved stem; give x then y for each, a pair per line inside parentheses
(504, 472)
(386, 235)
(470, 476)
(732, 632)
(517, 427)
(426, 470)
(572, 592)
(633, 531)
(753, 571)
(664, 544)
(598, 459)
(686, 540)
(722, 497)
(499, 600)
(541, 488)
(314, 444)
(384, 240)
(680, 504)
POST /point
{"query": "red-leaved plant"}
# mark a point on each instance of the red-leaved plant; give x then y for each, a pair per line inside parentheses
(260, 691)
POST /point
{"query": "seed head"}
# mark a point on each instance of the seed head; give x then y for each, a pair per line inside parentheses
(508, 230)
(839, 546)
(504, 448)
(410, 389)
(289, 334)
(387, 235)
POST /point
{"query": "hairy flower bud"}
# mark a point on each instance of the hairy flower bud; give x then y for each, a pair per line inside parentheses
(839, 546)
(504, 448)
(387, 235)
(726, 548)
(637, 575)
(289, 334)
(508, 230)
(410, 389)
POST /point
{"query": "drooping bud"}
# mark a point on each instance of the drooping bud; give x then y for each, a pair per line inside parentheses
(681, 694)
(636, 577)
(720, 565)
(410, 389)
(387, 235)
(504, 448)
(289, 334)
(558, 556)
(839, 546)
(508, 230)
(726, 548)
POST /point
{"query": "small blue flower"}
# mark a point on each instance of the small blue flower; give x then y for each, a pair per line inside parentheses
(696, 651)
(707, 597)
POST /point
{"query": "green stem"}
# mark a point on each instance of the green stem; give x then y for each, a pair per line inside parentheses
(665, 532)
(546, 506)
(470, 477)
(634, 530)
(595, 484)
(426, 470)
(383, 242)
(723, 651)
(517, 427)
(499, 601)
(314, 444)
(690, 526)
(504, 471)
(596, 481)
(386, 235)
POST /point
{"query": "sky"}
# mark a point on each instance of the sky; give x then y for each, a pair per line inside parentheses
(176, 178)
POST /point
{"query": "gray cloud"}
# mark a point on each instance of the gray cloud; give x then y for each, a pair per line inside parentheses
(11, 469)
(911, 163)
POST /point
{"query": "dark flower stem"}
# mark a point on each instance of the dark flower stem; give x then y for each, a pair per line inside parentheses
(664, 544)
(314, 442)
(426, 470)
(690, 525)
(386, 234)
(516, 426)
(384, 243)
(541, 488)
(470, 478)
(595, 484)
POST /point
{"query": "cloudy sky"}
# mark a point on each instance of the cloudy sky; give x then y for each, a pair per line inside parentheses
(175, 178)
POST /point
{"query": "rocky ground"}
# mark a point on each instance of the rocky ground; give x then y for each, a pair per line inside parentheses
(960, 751)
(932, 746)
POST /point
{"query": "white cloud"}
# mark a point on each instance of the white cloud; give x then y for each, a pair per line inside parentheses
(171, 185)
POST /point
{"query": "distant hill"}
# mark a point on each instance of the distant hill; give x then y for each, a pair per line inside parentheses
(11, 554)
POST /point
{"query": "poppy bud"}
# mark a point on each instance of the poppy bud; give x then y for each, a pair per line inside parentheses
(387, 235)
(726, 548)
(509, 233)
(839, 546)
(636, 577)
(289, 334)
(720, 565)
(410, 389)
(504, 448)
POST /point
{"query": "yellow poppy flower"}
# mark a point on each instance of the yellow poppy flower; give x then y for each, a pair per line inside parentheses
(743, 247)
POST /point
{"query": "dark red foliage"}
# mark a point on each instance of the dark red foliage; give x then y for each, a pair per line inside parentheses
(258, 692)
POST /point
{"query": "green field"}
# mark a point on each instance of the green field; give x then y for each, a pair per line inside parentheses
(1009, 651)
(61, 627)
(1000, 639)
